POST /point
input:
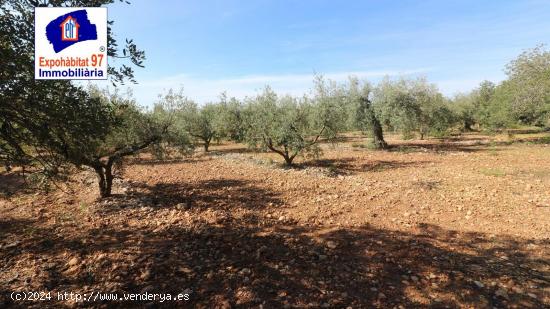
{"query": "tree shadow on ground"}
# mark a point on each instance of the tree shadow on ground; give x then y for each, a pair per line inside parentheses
(12, 183)
(543, 140)
(154, 162)
(13, 227)
(215, 194)
(238, 150)
(468, 144)
(226, 253)
(240, 265)
(349, 166)
(442, 146)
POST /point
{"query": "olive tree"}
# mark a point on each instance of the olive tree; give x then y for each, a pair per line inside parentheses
(433, 115)
(175, 142)
(529, 83)
(46, 124)
(131, 130)
(366, 117)
(288, 126)
(230, 123)
(475, 109)
(412, 105)
(523, 98)
(201, 122)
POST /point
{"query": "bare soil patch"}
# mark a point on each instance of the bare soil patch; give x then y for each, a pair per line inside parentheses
(456, 223)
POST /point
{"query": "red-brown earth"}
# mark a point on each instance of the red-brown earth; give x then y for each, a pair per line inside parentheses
(442, 223)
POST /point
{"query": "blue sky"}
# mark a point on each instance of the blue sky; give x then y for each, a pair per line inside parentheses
(240, 46)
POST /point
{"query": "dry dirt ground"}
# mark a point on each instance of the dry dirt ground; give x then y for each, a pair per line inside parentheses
(455, 223)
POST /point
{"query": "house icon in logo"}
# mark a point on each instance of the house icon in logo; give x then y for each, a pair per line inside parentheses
(69, 29)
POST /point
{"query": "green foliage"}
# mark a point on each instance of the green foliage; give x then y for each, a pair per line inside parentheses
(441, 119)
(484, 102)
(522, 99)
(230, 123)
(529, 87)
(130, 124)
(465, 111)
(48, 124)
(329, 110)
(132, 130)
(412, 105)
(366, 116)
(359, 114)
(203, 123)
(175, 136)
(288, 126)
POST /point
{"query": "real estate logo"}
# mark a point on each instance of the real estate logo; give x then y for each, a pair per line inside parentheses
(70, 43)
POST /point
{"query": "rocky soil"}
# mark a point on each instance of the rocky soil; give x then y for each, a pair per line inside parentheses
(458, 223)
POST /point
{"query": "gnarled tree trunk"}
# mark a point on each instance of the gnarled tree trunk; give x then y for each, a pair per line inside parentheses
(377, 132)
(288, 158)
(104, 172)
(103, 166)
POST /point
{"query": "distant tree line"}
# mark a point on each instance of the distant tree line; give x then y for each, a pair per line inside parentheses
(294, 126)
(522, 99)
(49, 127)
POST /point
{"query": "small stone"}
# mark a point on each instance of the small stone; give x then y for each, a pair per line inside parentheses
(145, 275)
(532, 295)
(74, 261)
(73, 269)
(148, 288)
(331, 244)
(246, 271)
(479, 284)
(12, 245)
(502, 293)
(186, 270)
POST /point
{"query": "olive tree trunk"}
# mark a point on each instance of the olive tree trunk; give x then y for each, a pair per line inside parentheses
(378, 133)
(105, 179)
(103, 166)
(367, 119)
